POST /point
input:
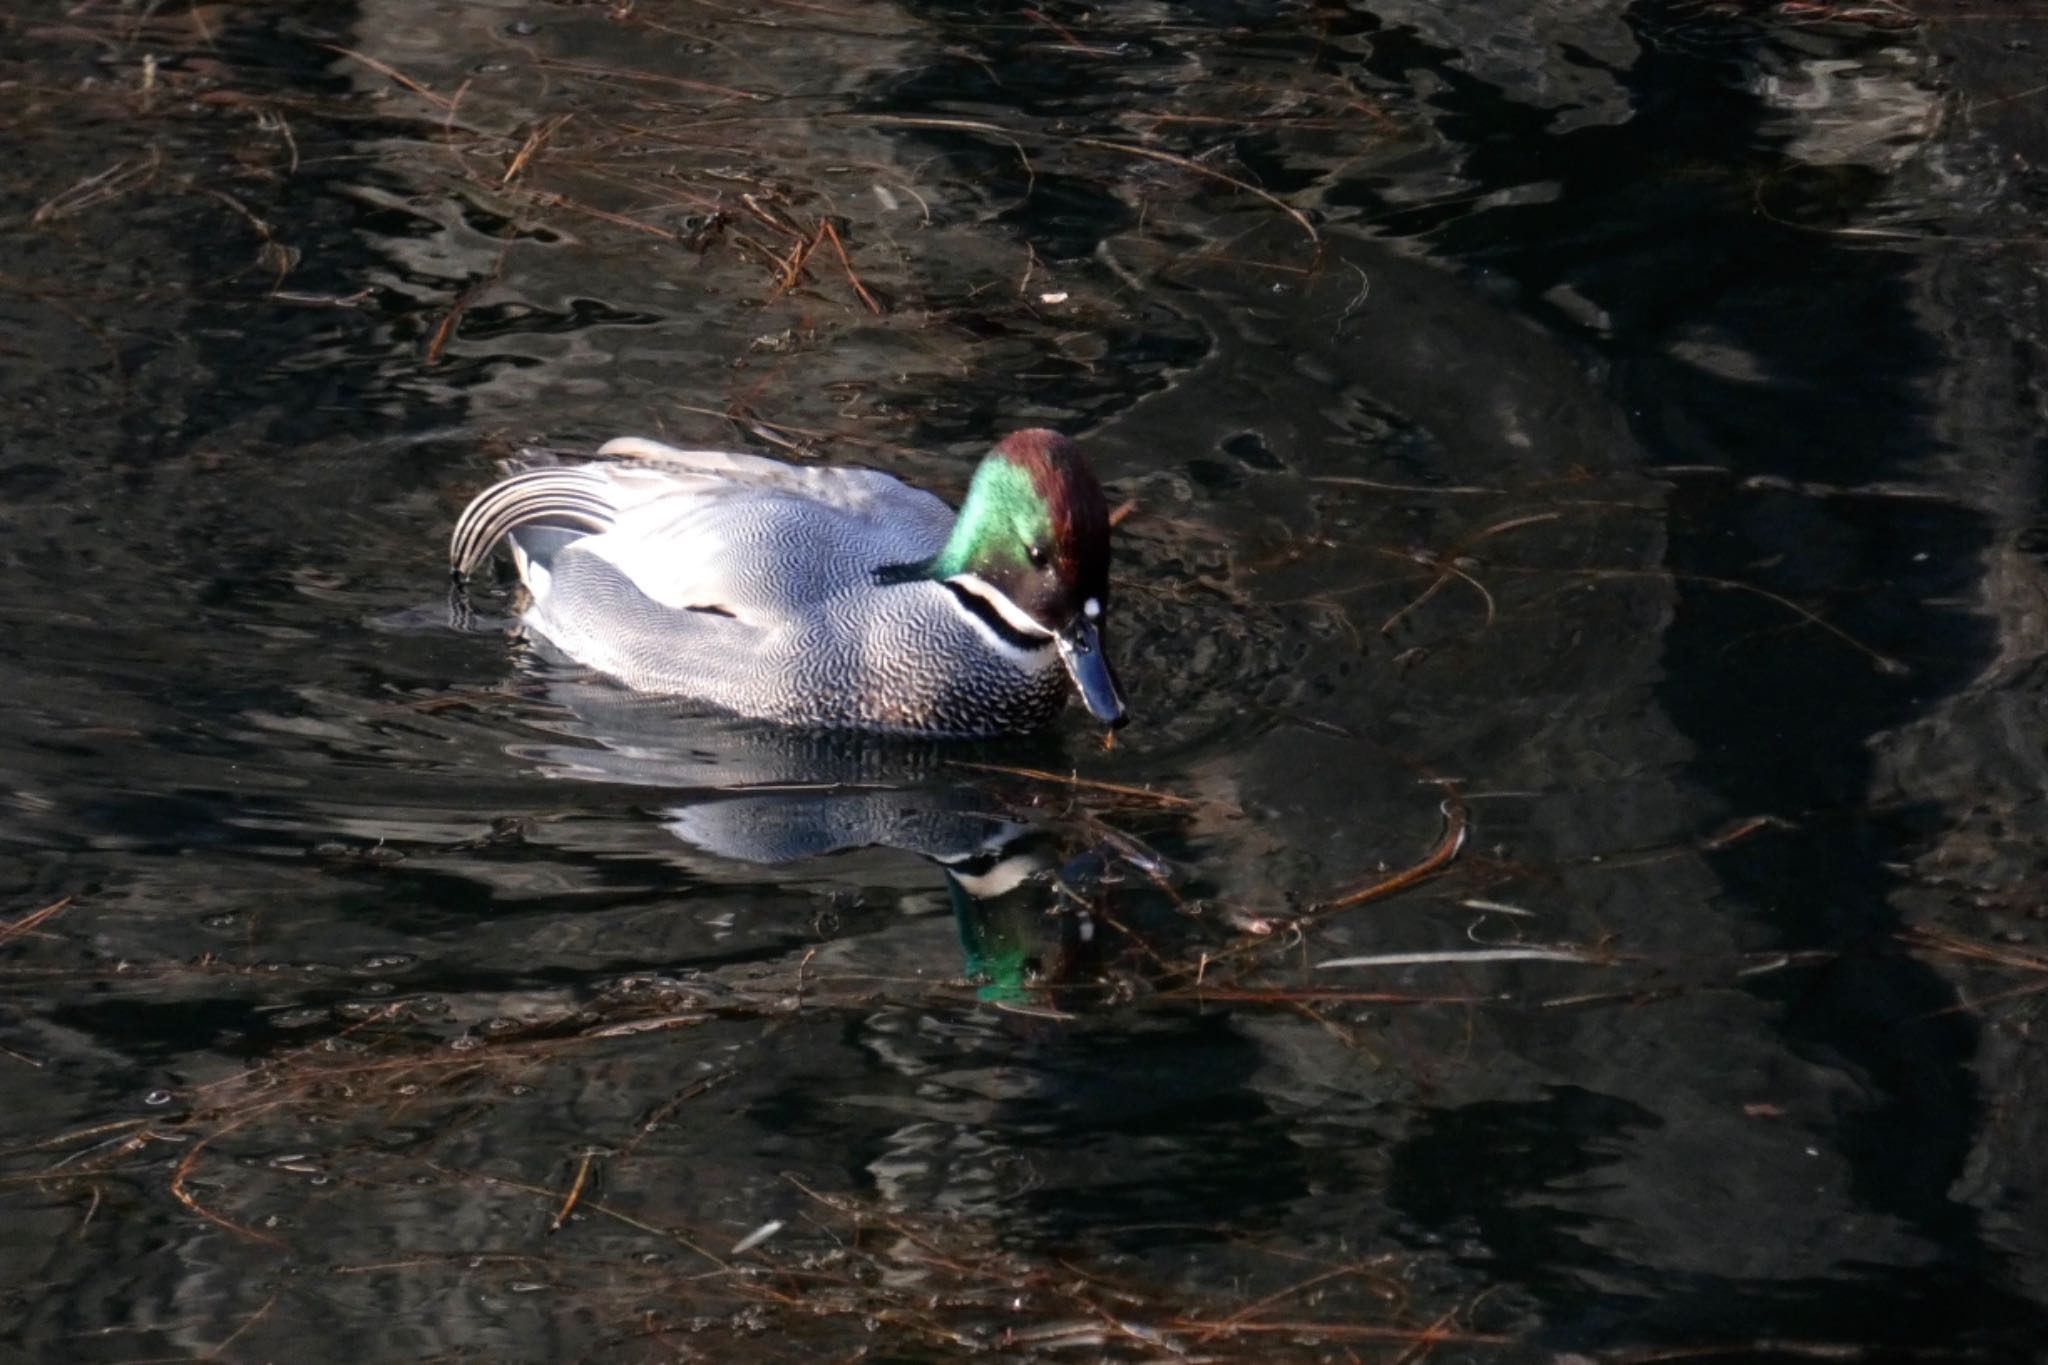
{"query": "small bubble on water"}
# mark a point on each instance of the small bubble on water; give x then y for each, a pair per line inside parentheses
(522, 28)
(157, 1098)
(526, 1287)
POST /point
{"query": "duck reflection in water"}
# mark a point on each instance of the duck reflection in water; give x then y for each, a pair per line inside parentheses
(771, 797)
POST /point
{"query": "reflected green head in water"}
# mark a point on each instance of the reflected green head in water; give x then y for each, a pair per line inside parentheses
(992, 954)
(1000, 903)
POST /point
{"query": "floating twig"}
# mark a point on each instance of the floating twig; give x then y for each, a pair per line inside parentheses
(1437, 860)
(1496, 907)
(962, 125)
(799, 256)
(108, 184)
(1282, 995)
(444, 331)
(562, 201)
(1447, 490)
(1884, 663)
(657, 78)
(530, 148)
(1068, 42)
(1734, 832)
(190, 1201)
(756, 1237)
(1447, 568)
(392, 72)
(1954, 945)
(1258, 1306)
(220, 1348)
(832, 236)
(1089, 784)
(575, 1190)
(1456, 955)
(1184, 163)
(29, 922)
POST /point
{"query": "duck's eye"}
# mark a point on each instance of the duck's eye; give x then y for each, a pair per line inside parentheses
(1037, 555)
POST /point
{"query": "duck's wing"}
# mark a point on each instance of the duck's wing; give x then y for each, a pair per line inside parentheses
(745, 536)
(721, 597)
(867, 494)
(764, 553)
(553, 504)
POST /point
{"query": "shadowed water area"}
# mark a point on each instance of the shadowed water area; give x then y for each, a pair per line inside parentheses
(1571, 890)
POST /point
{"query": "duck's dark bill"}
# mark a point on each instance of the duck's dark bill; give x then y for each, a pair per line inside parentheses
(1081, 651)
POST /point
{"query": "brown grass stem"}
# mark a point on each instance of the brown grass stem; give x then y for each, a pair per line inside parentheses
(575, 1190)
(1435, 861)
(28, 923)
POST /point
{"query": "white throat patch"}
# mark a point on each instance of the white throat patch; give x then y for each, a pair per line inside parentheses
(1006, 876)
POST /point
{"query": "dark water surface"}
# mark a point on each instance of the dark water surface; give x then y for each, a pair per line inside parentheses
(1613, 427)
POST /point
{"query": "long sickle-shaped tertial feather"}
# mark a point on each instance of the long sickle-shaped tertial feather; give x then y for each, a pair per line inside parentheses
(574, 499)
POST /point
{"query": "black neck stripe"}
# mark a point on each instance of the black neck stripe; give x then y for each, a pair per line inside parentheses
(889, 575)
(993, 619)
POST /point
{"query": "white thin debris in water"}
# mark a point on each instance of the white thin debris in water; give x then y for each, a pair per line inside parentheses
(1482, 955)
(757, 1236)
(1055, 296)
(1498, 908)
(888, 199)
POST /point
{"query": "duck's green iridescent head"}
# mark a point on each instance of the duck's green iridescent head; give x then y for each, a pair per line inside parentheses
(1032, 541)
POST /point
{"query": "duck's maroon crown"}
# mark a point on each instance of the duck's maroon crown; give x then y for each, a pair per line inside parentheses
(1073, 498)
